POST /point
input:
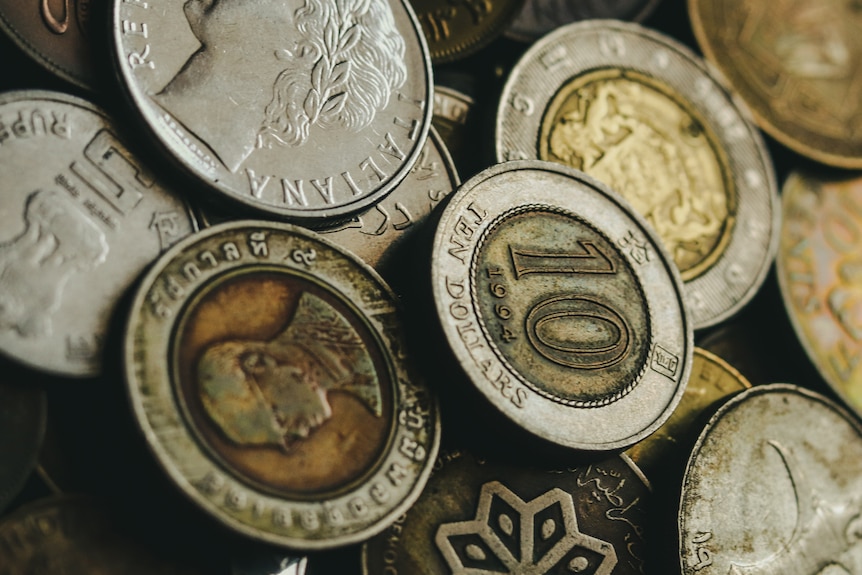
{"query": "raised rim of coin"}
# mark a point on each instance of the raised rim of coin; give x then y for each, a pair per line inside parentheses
(741, 266)
(633, 404)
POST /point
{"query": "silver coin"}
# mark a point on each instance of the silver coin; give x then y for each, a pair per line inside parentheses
(23, 414)
(81, 218)
(774, 485)
(561, 305)
(538, 17)
(641, 112)
(298, 108)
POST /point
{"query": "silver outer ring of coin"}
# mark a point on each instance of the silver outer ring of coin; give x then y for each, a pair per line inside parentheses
(338, 521)
(653, 395)
(526, 28)
(150, 46)
(736, 276)
(94, 216)
(797, 490)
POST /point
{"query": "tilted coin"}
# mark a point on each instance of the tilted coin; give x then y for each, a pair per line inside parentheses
(267, 371)
(538, 17)
(22, 426)
(642, 113)
(452, 117)
(773, 486)
(81, 218)
(561, 305)
(819, 267)
(302, 109)
(485, 517)
(711, 381)
(797, 64)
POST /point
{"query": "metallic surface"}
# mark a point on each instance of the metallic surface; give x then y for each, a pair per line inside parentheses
(22, 427)
(797, 64)
(560, 305)
(773, 487)
(452, 112)
(643, 114)
(267, 371)
(80, 219)
(296, 109)
(538, 17)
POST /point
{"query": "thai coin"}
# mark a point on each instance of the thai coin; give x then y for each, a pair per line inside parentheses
(299, 109)
(819, 267)
(452, 117)
(561, 305)
(81, 218)
(538, 17)
(482, 517)
(773, 486)
(712, 381)
(267, 369)
(797, 64)
(643, 114)
(22, 427)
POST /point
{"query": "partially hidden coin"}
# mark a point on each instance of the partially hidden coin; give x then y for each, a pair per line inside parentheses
(454, 118)
(711, 382)
(270, 564)
(797, 64)
(538, 17)
(23, 411)
(267, 369)
(819, 268)
(561, 305)
(639, 111)
(773, 486)
(486, 517)
(81, 218)
(300, 109)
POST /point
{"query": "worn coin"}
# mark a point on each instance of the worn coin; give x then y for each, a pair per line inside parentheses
(561, 305)
(819, 268)
(639, 111)
(483, 517)
(797, 64)
(538, 17)
(22, 427)
(773, 486)
(302, 109)
(267, 371)
(81, 218)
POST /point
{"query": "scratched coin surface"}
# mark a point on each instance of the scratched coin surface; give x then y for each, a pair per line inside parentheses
(302, 109)
(23, 414)
(639, 111)
(483, 517)
(773, 486)
(561, 306)
(267, 371)
(797, 64)
(819, 268)
(81, 218)
(538, 17)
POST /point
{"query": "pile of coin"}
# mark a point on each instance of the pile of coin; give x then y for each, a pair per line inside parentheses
(449, 287)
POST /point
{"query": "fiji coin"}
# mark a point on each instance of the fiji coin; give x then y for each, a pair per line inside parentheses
(797, 64)
(267, 370)
(773, 486)
(642, 113)
(561, 305)
(484, 518)
(819, 267)
(81, 218)
(302, 109)
(23, 413)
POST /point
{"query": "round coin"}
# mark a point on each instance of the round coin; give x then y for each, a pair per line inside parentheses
(81, 218)
(267, 371)
(23, 416)
(773, 486)
(302, 109)
(642, 113)
(797, 64)
(538, 17)
(561, 305)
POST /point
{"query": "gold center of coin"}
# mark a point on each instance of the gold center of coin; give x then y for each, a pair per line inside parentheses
(635, 134)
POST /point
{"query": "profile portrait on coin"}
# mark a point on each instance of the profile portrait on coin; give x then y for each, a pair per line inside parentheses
(275, 393)
(268, 72)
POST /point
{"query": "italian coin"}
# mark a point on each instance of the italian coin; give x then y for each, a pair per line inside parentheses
(561, 305)
(639, 111)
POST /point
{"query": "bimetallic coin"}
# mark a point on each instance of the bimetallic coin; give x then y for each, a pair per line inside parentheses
(773, 486)
(538, 17)
(81, 218)
(483, 518)
(302, 109)
(643, 114)
(267, 371)
(561, 305)
(712, 380)
(819, 263)
(22, 426)
(797, 64)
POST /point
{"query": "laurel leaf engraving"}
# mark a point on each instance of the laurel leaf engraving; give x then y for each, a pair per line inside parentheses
(340, 73)
(350, 38)
(335, 103)
(548, 528)
(475, 552)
